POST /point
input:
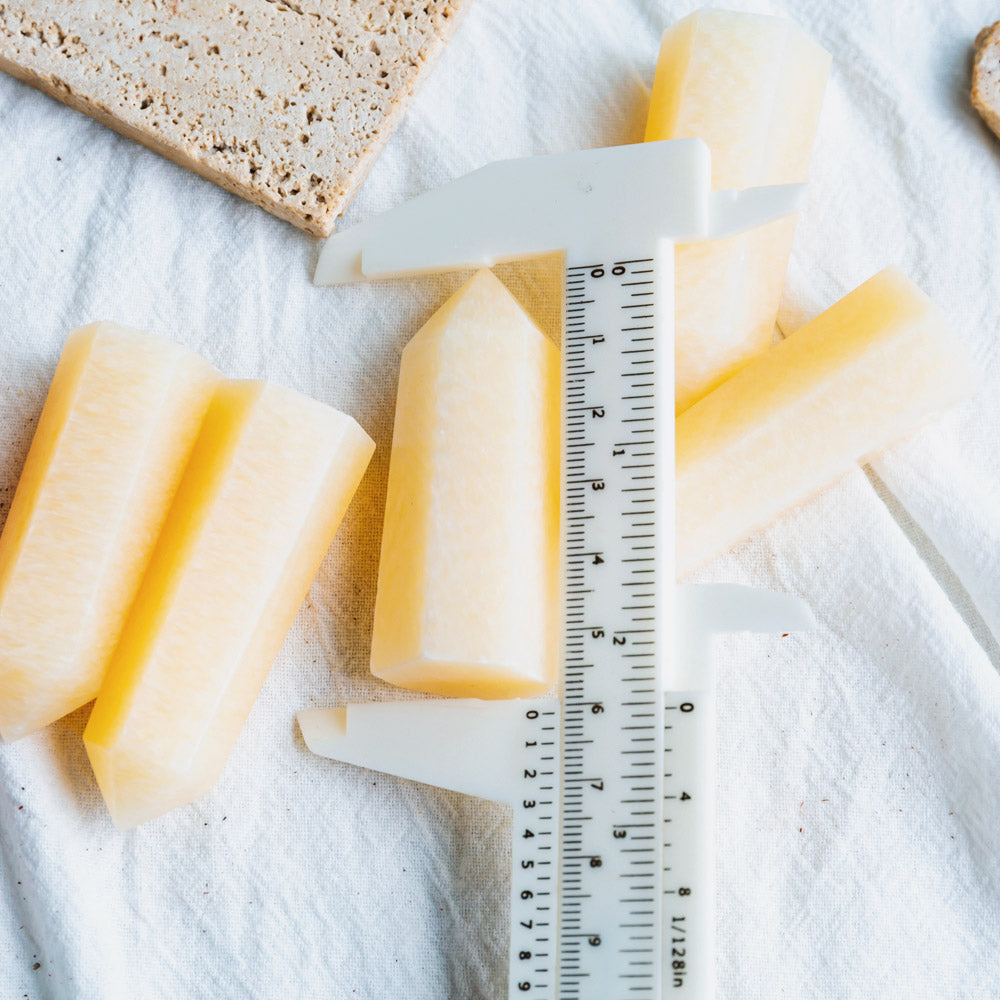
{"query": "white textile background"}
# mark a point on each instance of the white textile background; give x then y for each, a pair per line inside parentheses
(858, 792)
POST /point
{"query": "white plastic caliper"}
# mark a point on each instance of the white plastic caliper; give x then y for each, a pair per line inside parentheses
(612, 783)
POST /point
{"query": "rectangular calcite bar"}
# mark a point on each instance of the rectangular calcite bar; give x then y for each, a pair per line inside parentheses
(269, 479)
(847, 384)
(118, 424)
(751, 86)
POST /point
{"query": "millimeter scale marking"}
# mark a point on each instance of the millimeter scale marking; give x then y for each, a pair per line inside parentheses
(611, 783)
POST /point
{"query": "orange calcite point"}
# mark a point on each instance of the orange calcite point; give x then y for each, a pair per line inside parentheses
(467, 587)
(269, 479)
(117, 427)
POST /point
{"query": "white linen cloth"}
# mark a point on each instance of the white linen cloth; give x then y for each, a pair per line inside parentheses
(859, 808)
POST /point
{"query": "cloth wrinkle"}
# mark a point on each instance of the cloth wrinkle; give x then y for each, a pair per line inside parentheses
(858, 811)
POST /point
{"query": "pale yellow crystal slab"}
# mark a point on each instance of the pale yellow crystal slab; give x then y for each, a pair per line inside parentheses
(847, 384)
(467, 597)
(751, 87)
(116, 429)
(269, 479)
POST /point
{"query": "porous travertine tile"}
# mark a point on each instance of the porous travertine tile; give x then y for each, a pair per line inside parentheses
(985, 94)
(284, 103)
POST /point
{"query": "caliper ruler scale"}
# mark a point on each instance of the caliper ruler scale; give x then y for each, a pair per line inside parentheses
(609, 858)
(617, 553)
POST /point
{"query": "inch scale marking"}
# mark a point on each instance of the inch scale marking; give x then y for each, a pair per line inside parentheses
(612, 880)
(688, 879)
(614, 569)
